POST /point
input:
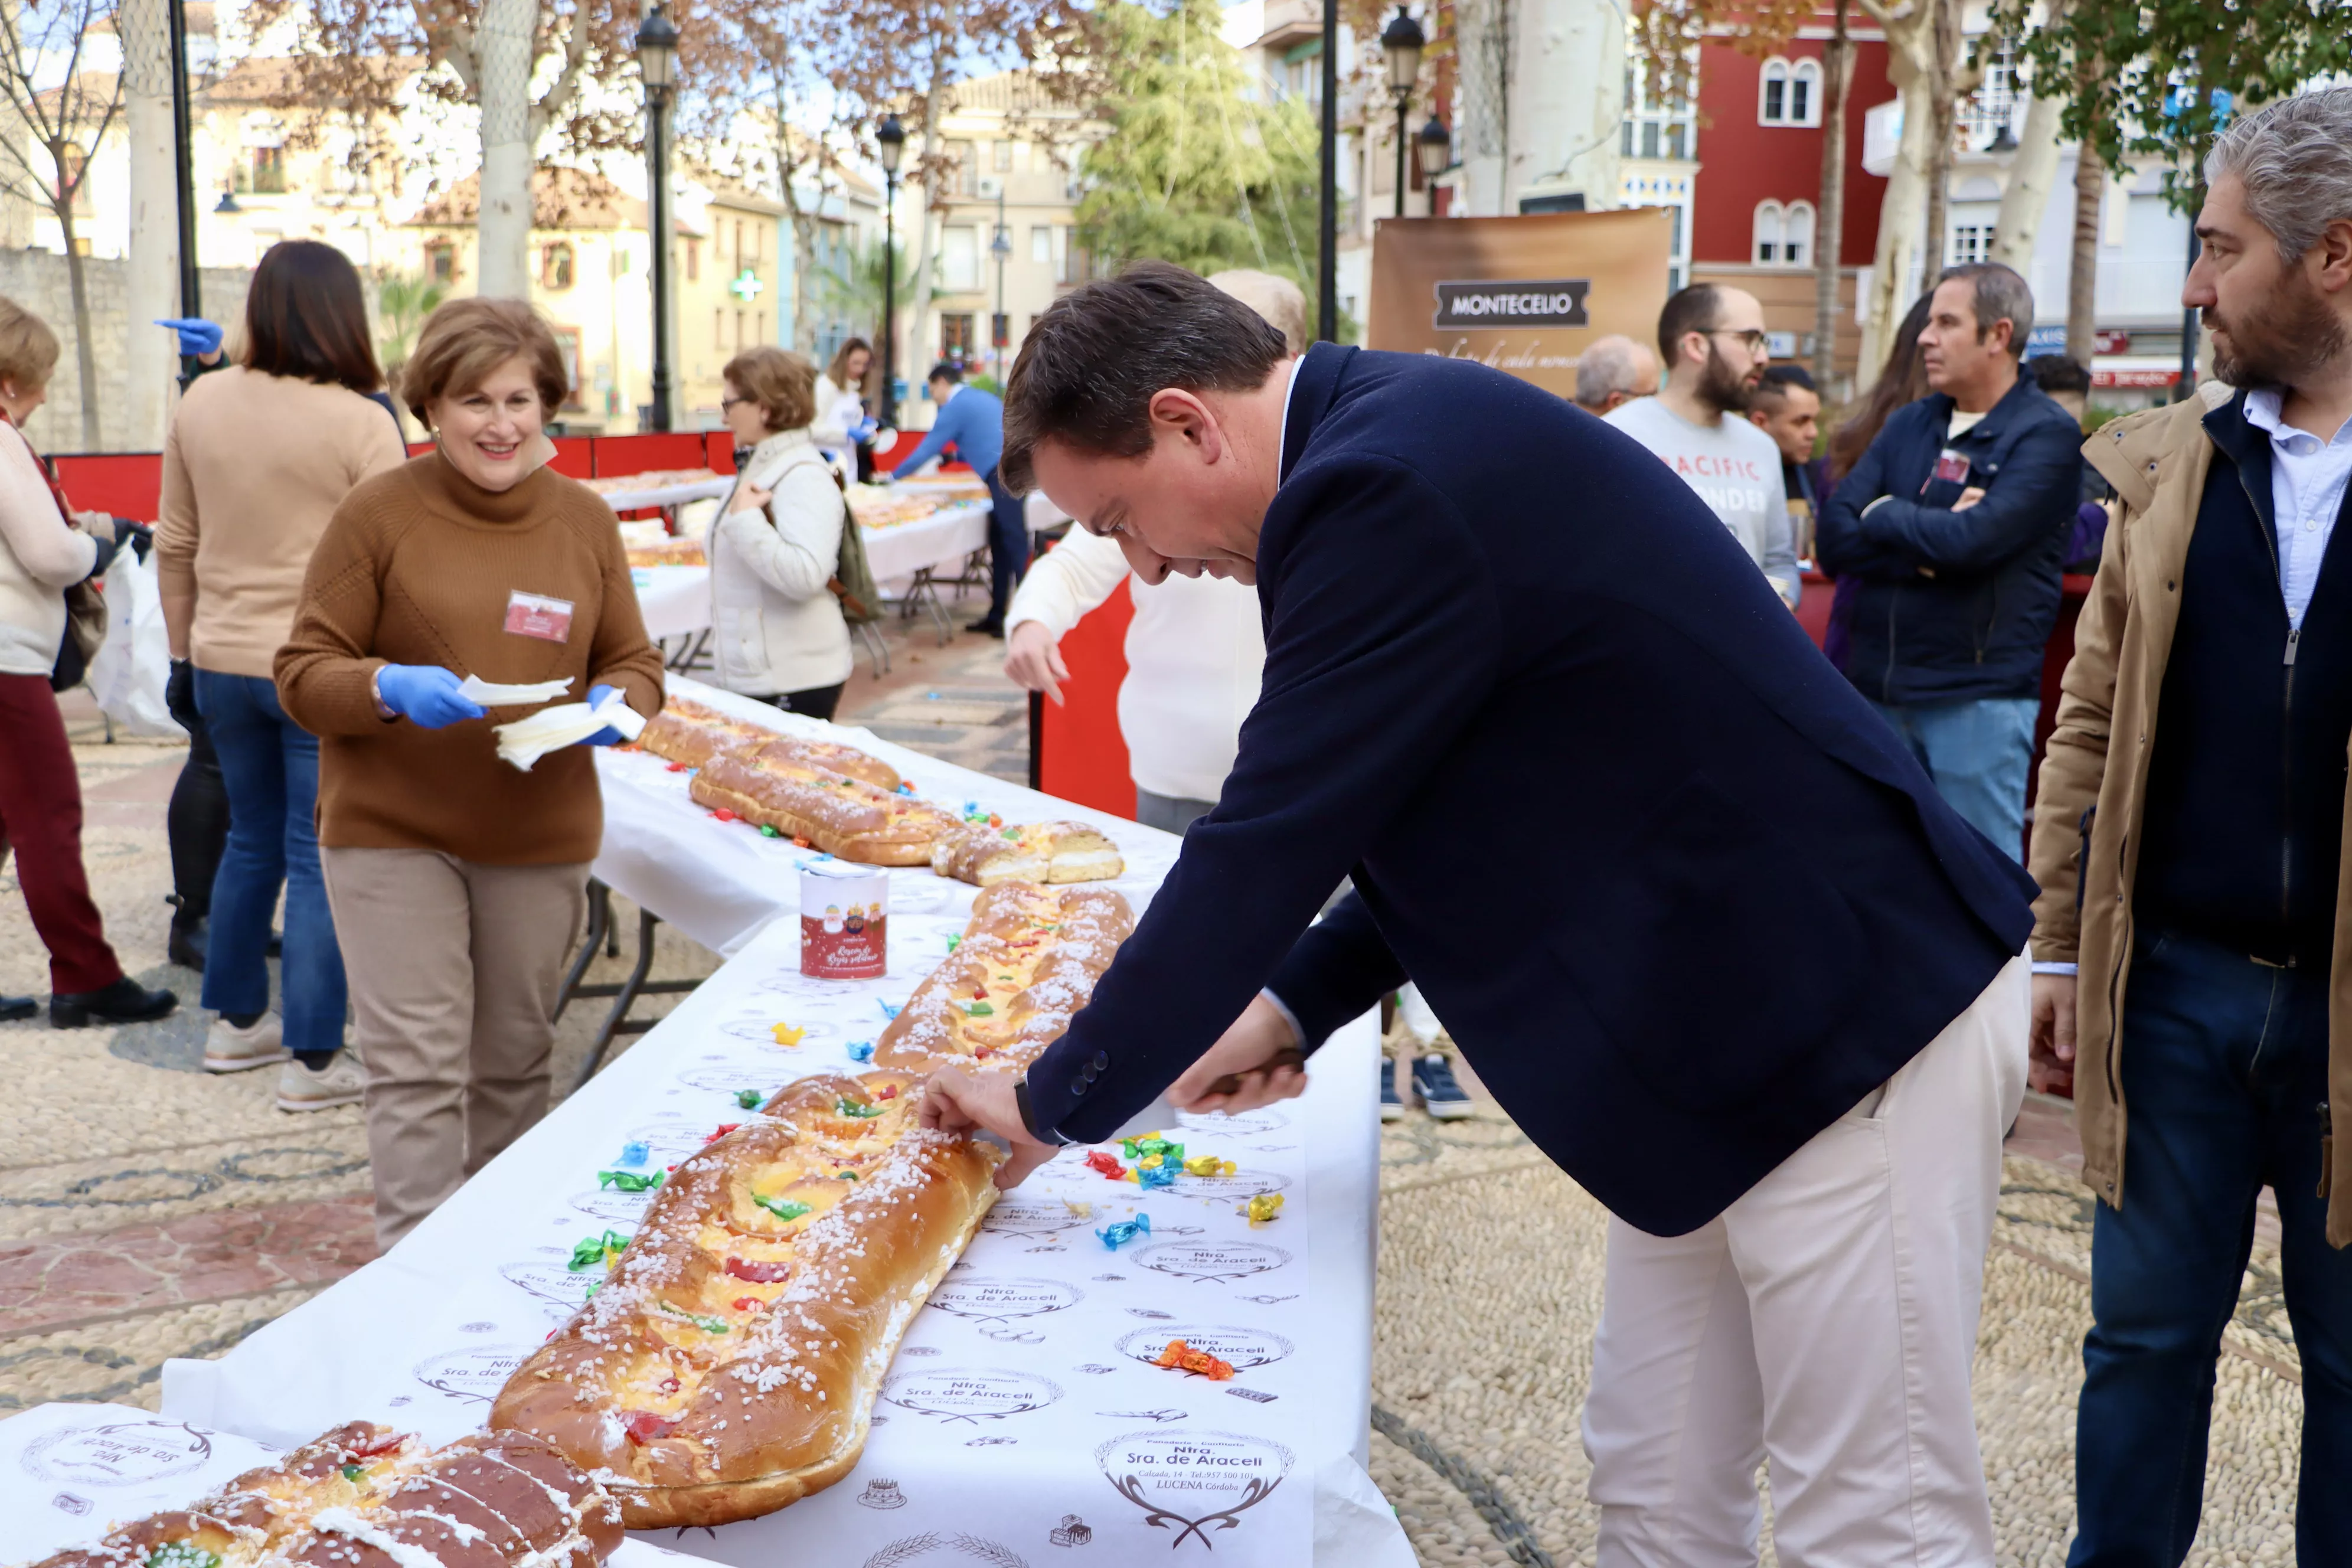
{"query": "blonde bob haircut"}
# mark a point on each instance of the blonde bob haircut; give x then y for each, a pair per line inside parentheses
(465, 340)
(782, 383)
(29, 350)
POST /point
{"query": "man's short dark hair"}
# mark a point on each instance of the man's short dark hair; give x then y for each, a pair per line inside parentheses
(1778, 379)
(1695, 309)
(1996, 294)
(947, 370)
(1093, 361)
(2058, 373)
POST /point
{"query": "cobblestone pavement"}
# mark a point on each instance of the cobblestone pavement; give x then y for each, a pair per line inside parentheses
(149, 1210)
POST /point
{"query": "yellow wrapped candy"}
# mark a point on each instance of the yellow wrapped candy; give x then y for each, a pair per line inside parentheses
(1149, 1162)
(788, 1034)
(1263, 1207)
(1209, 1165)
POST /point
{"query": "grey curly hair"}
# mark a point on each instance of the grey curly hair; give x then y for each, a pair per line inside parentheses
(2294, 159)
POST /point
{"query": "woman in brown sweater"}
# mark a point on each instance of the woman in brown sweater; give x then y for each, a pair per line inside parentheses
(458, 881)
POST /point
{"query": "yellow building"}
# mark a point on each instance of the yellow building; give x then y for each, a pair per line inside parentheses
(727, 283)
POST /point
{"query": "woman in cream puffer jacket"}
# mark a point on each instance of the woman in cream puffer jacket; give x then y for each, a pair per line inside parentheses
(777, 632)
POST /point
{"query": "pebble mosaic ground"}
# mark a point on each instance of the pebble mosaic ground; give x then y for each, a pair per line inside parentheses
(148, 1210)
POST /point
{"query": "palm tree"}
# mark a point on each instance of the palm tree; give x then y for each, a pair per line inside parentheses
(403, 300)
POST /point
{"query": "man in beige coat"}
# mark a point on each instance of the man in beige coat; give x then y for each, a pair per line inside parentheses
(2193, 964)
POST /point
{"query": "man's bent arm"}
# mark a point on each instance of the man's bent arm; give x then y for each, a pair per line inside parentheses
(1384, 639)
(1340, 966)
(2031, 498)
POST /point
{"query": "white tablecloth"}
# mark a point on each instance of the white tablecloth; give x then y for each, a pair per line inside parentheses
(670, 495)
(1021, 1404)
(675, 600)
(949, 534)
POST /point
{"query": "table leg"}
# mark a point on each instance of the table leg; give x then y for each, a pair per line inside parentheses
(600, 918)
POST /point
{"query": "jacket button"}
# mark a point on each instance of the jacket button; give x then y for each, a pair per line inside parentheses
(1102, 1061)
(1078, 1088)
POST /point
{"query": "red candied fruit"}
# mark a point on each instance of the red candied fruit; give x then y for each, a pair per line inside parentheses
(758, 1272)
(644, 1426)
(723, 814)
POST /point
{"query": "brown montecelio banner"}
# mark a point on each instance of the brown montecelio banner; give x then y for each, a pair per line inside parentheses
(1522, 294)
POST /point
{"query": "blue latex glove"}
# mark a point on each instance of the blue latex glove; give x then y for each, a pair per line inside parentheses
(426, 695)
(864, 429)
(607, 736)
(198, 337)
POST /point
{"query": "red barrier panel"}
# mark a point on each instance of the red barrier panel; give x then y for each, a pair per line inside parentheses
(618, 454)
(719, 446)
(1081, 755)
(122, 484)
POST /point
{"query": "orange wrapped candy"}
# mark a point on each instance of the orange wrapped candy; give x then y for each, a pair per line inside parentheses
(1181, 1357)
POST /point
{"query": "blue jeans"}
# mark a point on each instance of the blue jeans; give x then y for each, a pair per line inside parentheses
(2224, 1066)
(271, 767)
(1977, 753)
(1008, 546)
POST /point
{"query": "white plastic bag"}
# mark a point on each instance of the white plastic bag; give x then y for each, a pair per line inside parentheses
(128, 673)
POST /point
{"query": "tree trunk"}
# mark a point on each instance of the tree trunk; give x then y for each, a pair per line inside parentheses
(153, 283)
(1944, 33)
(1897, 251)
(919, 287)
(1829, 224)
(85, 355)
(2027, 195)
(503, 233)
(804, 224)
(2083, 271)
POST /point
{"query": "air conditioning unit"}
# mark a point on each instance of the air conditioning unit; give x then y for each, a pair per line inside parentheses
(991, 187)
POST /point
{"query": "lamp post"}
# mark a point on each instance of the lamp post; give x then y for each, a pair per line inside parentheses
(1326, 239)
(890, 142)
(658, 65)
(1401, 40)
(1000, 329)
(1435, 145)
(184, 171)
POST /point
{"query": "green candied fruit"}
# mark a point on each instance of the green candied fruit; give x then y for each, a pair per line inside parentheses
(749, 1099)
(708, 1325)
(181, 1554)
(846, 1106)
(783, 1208)
(978, 1010)
(354, 1472)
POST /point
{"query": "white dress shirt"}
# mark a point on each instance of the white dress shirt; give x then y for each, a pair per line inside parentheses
(2307, 480)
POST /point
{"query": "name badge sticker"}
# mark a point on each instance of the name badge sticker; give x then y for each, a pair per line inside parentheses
(1952, 466)
(537, 615)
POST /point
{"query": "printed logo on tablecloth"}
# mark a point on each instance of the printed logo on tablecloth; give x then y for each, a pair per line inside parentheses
(733, 1080)
(476, 1374)
(1244, 1348)
(1192, 1482)
(549, 1279)
(1199, 1260)
(1245, 1124)
(668, 1142)
(612, 1205)
(124, 1454)
(936, 1547)
(1239, 1187)
(1016, 1214)
(996, 1304)
(953, 1395)
(762, 1031)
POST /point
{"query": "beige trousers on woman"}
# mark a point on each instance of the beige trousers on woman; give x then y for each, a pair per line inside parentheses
(454, 967)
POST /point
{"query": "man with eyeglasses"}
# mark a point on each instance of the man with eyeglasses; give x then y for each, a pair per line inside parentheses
(1956, 521)
(1713, 344)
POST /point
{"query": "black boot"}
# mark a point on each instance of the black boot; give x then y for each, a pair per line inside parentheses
(15, 1009)
(125, 1002)
(190, 935)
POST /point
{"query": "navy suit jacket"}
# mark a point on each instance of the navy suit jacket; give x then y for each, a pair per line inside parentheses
(1680, 896)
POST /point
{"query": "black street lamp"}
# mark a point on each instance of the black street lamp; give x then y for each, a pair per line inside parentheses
(1402, 40)
(890, 142)
(1326, 239)
(183, 170)
(1435, 147)
(658, 65)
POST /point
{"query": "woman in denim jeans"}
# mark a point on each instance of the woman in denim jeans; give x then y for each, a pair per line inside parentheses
(259, 456)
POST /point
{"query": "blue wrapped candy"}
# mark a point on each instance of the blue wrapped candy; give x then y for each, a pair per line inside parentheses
(861, 1050)
(1119, 1232)
(632, 1153)
(1160, 1175)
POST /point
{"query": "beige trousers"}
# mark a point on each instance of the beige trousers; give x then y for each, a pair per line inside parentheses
(454, 967)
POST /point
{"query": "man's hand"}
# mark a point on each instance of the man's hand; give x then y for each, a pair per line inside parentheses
(2050, 1066)
(1968, 498)
(960, 1101)
(1034, 659)
(1247, 1050)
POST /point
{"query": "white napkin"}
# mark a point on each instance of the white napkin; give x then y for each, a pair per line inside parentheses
(526, 741)
(490, 694)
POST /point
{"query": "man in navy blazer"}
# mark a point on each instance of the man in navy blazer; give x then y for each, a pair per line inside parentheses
(1560, 733)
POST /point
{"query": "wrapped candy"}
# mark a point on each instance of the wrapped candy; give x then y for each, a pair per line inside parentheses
(1181, 1357)
(628, 1181)
(1209, 1165)
(1105, 1163)
(597, 1251)
(749, 1099)
(788, 1034)
(861, 1050)
(1263, 1209)
(1159, 1176)
(635, 1151)
(1151, 1143)
(1119, 1232)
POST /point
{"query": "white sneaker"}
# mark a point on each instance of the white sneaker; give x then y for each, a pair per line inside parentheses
(228, 1048)
(341, 1083)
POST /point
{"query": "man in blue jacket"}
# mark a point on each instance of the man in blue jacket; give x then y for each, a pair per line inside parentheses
(1551, 724)
(973, 422)
(1956, 521)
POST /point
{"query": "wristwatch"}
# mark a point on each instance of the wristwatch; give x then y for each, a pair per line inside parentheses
(1029, 1116)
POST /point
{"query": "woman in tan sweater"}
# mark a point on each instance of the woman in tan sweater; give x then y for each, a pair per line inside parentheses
(459, 882)
(259, 456)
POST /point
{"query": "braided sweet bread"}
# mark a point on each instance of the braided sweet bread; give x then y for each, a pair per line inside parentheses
(839, 815)
(364, 1496)
(688, 732)
(1028, 959)
(730, 1363)
(985, 855)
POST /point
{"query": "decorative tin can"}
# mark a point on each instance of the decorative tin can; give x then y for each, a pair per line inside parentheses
(845, 919)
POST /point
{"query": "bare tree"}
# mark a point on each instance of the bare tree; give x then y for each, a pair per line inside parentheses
(1925, 63)
(44, 155)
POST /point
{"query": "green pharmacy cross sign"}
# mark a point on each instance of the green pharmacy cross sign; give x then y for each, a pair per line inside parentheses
(745, 286)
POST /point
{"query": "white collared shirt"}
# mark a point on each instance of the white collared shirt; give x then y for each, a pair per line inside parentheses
(1282, 445)
(2307, 481)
